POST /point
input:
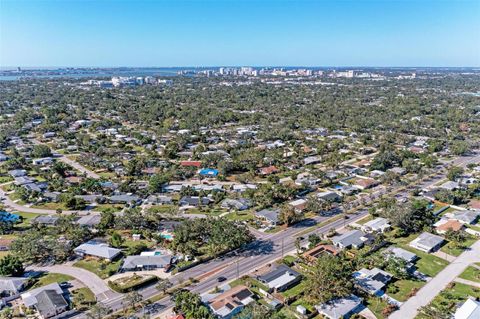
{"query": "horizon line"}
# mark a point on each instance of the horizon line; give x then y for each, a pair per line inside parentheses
(239, 66)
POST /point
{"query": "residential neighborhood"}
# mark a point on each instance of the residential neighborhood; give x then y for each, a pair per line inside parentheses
(107, 212)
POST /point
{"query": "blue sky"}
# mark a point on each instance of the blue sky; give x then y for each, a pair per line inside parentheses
(242, 32)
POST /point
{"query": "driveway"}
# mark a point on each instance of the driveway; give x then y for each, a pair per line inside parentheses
(90, 280)
(425, 295)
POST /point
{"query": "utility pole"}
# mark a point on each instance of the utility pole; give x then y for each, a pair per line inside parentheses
(238, 269)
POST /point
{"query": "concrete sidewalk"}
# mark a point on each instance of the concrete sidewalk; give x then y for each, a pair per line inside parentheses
(425, 295)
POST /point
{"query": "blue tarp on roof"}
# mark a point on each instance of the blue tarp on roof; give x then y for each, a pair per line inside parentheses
(8, 217)
(209, 172)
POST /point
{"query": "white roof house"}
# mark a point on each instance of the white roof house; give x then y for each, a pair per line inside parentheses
(427, 242)
(376, 225)
(97, 250)
(341, 307)
(470, 309)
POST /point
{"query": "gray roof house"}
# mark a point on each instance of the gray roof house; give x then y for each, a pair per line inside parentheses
(30, 297)
(17, 173)
(50, 303)
(329, 196)
(341, 308)
(466, 216)
(49, 220)
(97, 250)
(193, 201)
(270, 215)
(372, 281)
(450, 185)
(89, 220)
(140, 262)
(123, 199)
(353, 238)
(159, 199)
(22, 180)
(427, 242)
(401, 253)
(237, 204)
(12, 285)
(281, 278)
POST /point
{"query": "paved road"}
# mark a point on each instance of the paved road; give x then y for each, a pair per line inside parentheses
(78, 167)
(90, 280)
(72, 163)
(425, 295)
(261, 251)
(21, 208)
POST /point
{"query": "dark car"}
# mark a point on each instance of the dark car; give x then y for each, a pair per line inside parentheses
(221, 279)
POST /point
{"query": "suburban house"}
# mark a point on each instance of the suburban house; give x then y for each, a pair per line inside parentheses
(159, 200)
(269, 215)
(450, 185)
(465, 216)
(231, 302)
(48, 220)
(194, 201)
(312, 255)
(378, 224)
(299, 204)
(329, 196)
(7, 217)
(444, 225)
(42, 161)
(365, 183)
(351, 239)
(208, 172)
(427, 242)
(470, 309)
(240, 188)
(236, 204)
(47, 300)
(401, 253)
(124, 199)
(17, 173)
(268, 170)
(143, 262)
(97, 250)
(89, 221)
(372, 281)
(280, 278)
(10, 286)
(191, 163)
(341, 308)
(50, 304)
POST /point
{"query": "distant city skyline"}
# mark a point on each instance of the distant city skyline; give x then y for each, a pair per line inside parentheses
(213, 33)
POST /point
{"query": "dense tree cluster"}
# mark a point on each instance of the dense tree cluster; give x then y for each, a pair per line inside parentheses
(215, 234)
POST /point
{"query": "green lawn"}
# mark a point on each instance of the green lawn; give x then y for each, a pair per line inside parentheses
(376, 305)
(240, 216)
(446, 301)
(472, 274)
(365, 219)
(400, 289)
(102, 269)
(51, 206)
(83, 298)
(295, 291)
(49, 278)
(450, 248)
(428, 264)
(27, 218)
